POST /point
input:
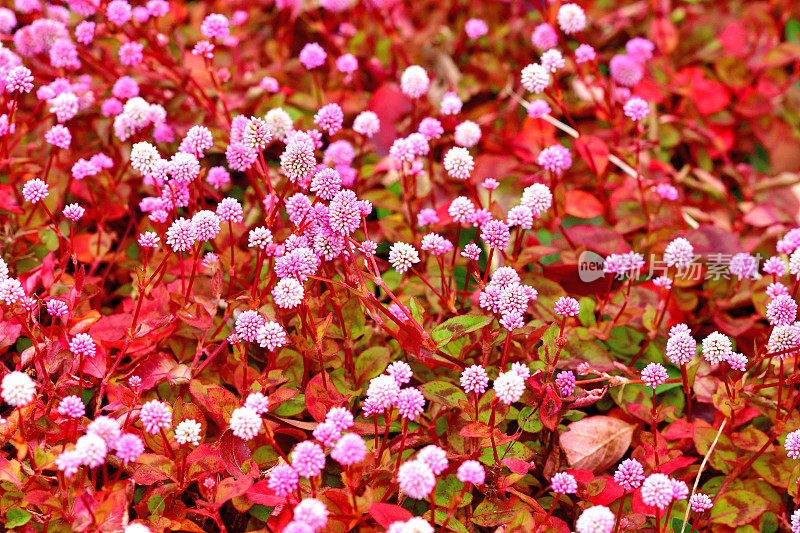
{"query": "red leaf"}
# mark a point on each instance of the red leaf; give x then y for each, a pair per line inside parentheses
(677, 464)
(548, 412)
(386, 513)
(8, 202)
(594, 151)
(581, 204)
(734, 39)
(601, 240)
(518, 466)
(261, 493)
(708, 95)
(319, 400)
(234, 451)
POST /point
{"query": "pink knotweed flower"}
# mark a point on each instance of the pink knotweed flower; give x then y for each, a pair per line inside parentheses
(565, 382)
(259, 237)
(654, 374)
(681, 346)
(241, 156)
(298, 159)
(248, 324)
(69, 462)
(384, 390)
(508, 387)
(330, 118)
(368, 248)
(431, 128)
(625, 70)
(629, 475)
(451, 104)
(206, 224)
(552, 60)
(657, 490)
(666, 191)
(475, 28)
(257, 402)
(679, 252)
(326, 183)
(471, 471)
(72, 407)
(512, 320)
(340, 417)
(789, 242)
(271, 336)
(663, 281)
(782, 310)
(636, 108)
(538, 108)
(73, 212)
(584, 368)
(218, 177)
(155, 416)
(347, 63)
(716, 347)
(471, 251)
(327, 433)
(700, 503)
(84, 32)
(462, 210)
(130, 54)
(467, 134)
(118, 12)
(597, 519)
(106, 428)
(416, 479)
(148, 239)
(640, 49)
(128, 447)
(344, 213)
(795, 521)
(794, 264)
(64, 106)
(537, 198)
(792, 445)
(679, 490)
(584, 54)
(181, 235)
(197, 140)
(312, 56)
(135, 383)
(350, 449)
(555, 159)
(283, 479)
(17, 389)
(82, 345)
(436, 244)
(414, 81)
(564, 483)
(11, 291)
(458, 163)
(308, 459)
(215, 26)
(474, 379)
(230, 210)
(776, 289)
(544, 36)
(245, 423)
(34, 190)
(782, 339)
(776, 266)
(566, 306)
(521, 369)
(184, 167)
(400, 371)
(269, 84)
(367, 124)
(288, 293)
(490, 184)
(434, 457)
(571, 18)
(19, 79)
(59, 136)
(495, 234)
(535, 78)
(410, 403)
(311, 512)
(403, 256)
(188, 432)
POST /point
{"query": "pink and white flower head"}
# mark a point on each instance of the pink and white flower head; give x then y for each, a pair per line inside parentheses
(288, 293)
(414, 81)
(34, 190)
(257, 402)
(564, 483)
(106, 428)
(271, 336)
(467, 134)
(384, 390)
(792, 445)
(71, 407)
(17, 389)
(155, 416)
(475, 28)
(535, 78)
(330, 118)
(640, 49)
(666, 191)
(431, 128)
(434, 457)
(716, 347)
(508, 387)
(552, 60)
(584, 54)
(537, 198)
(128, 447)
(283, 479)
(400, 371)
(567, 306)
(597, 519)
(538, 108)
(782, 310)
(245, 423)
(700, 503)
(657, 490)
(544, 37)
(82, 345)
(681, 346)
(327, 433)
(451, 104)
(367, 124)
(416, 479)
(565, 382)
(571, 18)
(625, 70)
(555, 159)
(350, 449)
(248, 324)
(340, 417)
(92, 449)
(471, 471)
(458, 163)
(679, 253)
(308, 459)
(636, 108)
(73, 212)
(629, 475)
(403, 256)
(654, 374)
(215, 26)
(776, 266)
(474, 379)
(312, 56)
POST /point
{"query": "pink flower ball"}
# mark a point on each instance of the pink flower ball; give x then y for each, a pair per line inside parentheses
(471, 472)
(312, 56)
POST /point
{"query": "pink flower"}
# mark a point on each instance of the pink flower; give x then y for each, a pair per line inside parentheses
(155, 416)
(700, 502)
(400, 371)
(782, 310)
(19, 79)
(552, 60)
(245, 423)
(555, 159)
(565, 382)
(283, 479)
(571, 18)
(402, 256)
(72, 407)
(416, 479)
(654, 374)
(17, 389)
(436, 244)
(508, 387)
(410, 403)
(414, 81)
(312, 56)
(544, 37)
(636, 108)
(679, 253)
(181, 235)
(640, 49)
(585, 53)
(776, 266)
(597, 519)
(535, 78)
(148, 239)
(130, 54)
(566, 306)
(288, 293)
(215, 26)
(69, 462)
(471, 251)
(311, 512)
(271, 336)
(657, 490)
(367, 124)
(59, 136)
(308, 459)
(625, 70)
(471, 471)
(34, 190)
(716, 347)
(129, 447)
(431, 128)
(118, 12)
(792, 445)
(329, 118)
(538, 108)
(83, 345)
(564, 483)
(344, 214)
(666, 191)
(629, 474)
(347, 63)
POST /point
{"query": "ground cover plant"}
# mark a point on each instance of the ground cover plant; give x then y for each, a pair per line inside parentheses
(376, 265)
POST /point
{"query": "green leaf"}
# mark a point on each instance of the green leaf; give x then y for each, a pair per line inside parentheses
(261, 512)
(738, 507)
(16, 517)
(493, 513)
(459, 326)
(443, 393)
(792, 30)
(529, 420)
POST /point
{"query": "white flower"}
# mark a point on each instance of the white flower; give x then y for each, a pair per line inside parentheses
(188, 431)
(18, 389)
